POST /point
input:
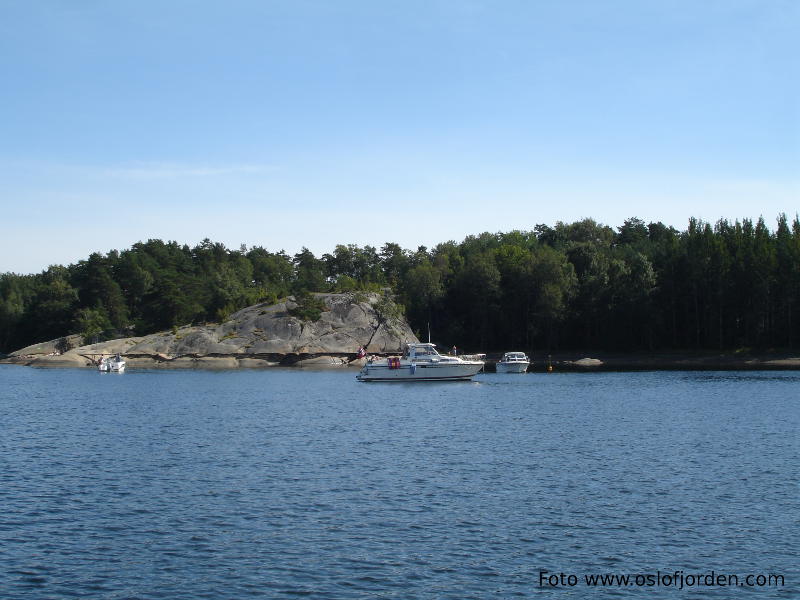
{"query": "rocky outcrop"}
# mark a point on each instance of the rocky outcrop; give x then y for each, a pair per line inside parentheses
(256, 336)
(588, 363)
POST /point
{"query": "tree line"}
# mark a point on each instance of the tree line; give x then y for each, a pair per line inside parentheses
(581, 285)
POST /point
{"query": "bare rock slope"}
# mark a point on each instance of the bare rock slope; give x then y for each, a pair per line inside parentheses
(260, 335)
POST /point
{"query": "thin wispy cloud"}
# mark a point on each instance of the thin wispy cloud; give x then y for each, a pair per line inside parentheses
(137, 170)
(169, 170)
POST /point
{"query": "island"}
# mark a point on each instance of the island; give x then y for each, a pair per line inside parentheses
(262, 335)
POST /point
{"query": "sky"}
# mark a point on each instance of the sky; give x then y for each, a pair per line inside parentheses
(311, 123)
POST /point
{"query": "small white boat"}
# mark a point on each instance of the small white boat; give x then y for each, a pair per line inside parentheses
(513, 362)
(420, 362)
(116, 364)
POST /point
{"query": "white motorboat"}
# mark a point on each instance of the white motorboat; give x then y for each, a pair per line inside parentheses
(420, 362)
(513, 362)
(116, 364)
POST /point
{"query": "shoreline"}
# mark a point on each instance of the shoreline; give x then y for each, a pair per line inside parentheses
(560, 362)
(673, 361)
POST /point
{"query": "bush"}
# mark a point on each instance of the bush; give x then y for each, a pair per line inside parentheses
(345, 283)
(224, 313)
(388, 310)
(309, 307)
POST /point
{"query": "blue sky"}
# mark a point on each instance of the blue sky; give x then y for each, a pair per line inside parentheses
(313, 123)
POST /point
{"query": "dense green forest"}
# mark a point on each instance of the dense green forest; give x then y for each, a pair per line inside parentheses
(574, 286)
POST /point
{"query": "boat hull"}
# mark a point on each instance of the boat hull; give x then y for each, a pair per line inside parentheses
(111, 366)
(420, 372)
(512, 367)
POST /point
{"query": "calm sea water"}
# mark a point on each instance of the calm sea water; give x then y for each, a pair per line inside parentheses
(287, 483)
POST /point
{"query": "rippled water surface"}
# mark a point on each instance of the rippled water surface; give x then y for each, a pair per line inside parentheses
(287, 483)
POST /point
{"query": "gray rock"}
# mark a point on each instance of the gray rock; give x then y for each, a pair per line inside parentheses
(68, 359)
(256, 363)
(588, 362)
(321, 362)
(53, 347)
(262, 334)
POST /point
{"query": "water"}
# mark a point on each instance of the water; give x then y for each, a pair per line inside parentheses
(289, 483)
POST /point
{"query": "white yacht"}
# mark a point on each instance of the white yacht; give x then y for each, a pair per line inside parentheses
(420, 362)
(108, 363)
(513, 362)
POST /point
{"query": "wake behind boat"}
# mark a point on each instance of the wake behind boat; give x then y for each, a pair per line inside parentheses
(420, 362)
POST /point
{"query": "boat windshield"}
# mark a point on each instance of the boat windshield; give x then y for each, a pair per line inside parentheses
(423, 351)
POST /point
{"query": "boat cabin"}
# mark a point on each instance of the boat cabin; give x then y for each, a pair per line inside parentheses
(515, 357)
(421, 352)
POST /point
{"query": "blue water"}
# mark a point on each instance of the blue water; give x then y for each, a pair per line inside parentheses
(291, 483)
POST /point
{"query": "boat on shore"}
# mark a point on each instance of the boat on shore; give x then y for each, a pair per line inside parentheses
(420, 362)
(513, 362)
(114, 364)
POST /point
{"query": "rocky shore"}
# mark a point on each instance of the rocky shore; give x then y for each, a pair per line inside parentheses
(264, 335)
(268, 335)
(688, 361)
